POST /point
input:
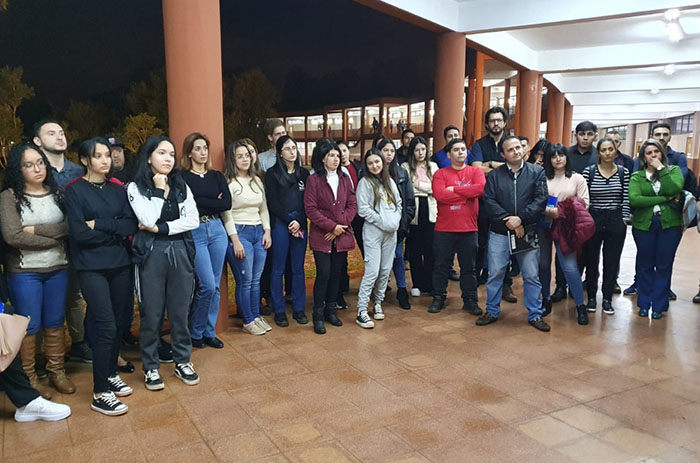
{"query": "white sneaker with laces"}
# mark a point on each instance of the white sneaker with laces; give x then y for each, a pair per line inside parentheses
(118, 386)
(253, 328)
(378, 312)
(363, 319)
(42, 409)
(185, 371)
(262, 323)
(415, 292)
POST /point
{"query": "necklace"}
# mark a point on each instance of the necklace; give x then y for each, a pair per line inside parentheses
(201, 174)
(98, 185)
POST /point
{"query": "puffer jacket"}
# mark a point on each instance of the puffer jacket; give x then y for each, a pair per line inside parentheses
(408, 210)
(574, 226)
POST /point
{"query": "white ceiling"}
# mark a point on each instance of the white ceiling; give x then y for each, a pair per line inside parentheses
(605, 55)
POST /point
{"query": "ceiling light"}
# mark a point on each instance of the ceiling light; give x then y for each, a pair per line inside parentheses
(669, 69)
(674, 31)
(654, 91)
(672, 14)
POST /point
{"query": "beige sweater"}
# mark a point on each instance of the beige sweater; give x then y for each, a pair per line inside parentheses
(564, 187)
(248, 206)
(39, 252)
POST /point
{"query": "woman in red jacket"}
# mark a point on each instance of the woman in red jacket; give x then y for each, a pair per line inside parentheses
(329, 201)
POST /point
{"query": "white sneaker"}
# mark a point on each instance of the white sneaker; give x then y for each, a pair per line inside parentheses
(378, 312)
(363, 320)
(415, 292)
(262, 323)
(42, 409)
(253, 328)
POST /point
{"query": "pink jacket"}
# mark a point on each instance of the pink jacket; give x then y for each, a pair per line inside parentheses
(325, 212)
(574, 226)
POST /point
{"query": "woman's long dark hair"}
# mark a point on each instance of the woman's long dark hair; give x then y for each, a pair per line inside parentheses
(144, 173)
(556, 148)
(231, 172)
(411, 157)
(541, 145)
(379, 143)
(279, 170)
(383, 181)
(320, 152)
(14, 178)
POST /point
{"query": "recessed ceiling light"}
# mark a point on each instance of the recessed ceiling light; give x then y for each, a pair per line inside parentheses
(654, 91)
(669, 69)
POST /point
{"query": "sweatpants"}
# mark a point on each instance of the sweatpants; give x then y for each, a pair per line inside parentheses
(380, 247)
(166, 281)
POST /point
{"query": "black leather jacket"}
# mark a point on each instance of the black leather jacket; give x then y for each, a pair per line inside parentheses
(506, 195)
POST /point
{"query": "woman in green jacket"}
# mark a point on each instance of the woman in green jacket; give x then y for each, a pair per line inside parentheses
(655, 194)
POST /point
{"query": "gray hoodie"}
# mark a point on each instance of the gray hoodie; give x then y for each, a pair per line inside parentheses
(388, 217)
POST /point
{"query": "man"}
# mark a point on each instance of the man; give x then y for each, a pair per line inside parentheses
(515, 197)
(440, 158)
(274, 129)
(487, 156)
(402, 153)
(122, 168)
(50, 138)
(525, 143)
(456, 189)
(622, 159)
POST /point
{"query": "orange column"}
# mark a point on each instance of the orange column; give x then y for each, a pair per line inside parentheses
(568, 118)
(506, 95)
(478, 123)
(382, 122)
(540, 82)
(449, 84)
(528, 93)
(555, 116)
(468, 131)
(345, 125)
(195, 99)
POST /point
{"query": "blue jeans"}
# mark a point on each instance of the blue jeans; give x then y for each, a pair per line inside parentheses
(40, 296)
(498, 255)
(569, 265)
(210, 241)
(284, 244)
(656, 250)
(247, 271)
(399, 266)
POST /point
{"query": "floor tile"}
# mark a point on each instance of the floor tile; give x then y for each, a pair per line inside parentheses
(549, 431)
(585, 418)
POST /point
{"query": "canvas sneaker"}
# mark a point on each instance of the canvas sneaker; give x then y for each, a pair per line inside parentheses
(185, 371)
(118, 386)
(153, 381)
(108, 404)
(378, 312)
(363, 320)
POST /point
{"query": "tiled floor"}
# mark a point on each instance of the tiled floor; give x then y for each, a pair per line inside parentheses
(419, 387)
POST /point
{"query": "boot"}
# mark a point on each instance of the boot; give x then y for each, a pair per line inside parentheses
(55, 344)
(582, 315)
(28, 353)
(437, 305)
(331, 317)
(507, 294)
(319, 327)
(402, 297)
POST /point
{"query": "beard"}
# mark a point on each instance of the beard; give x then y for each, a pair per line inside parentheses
(48, 150)
(496, 131)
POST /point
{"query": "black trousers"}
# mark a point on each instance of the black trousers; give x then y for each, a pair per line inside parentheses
(610, 235)
(357, 224)
(445, 245)
(106, 293)
(422, 257)
(328, 270)
(16, 384)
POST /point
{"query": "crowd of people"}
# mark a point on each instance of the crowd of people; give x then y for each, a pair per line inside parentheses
(163, 226)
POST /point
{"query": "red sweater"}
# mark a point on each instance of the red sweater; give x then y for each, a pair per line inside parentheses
(458, 210)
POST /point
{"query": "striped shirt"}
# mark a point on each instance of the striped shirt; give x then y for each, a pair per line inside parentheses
(608, 193)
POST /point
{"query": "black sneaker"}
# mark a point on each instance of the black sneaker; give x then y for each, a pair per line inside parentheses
(300, 317)
(214, 342)
(608, 308)
(617, 289)
(281, 320)
(437, 305)
(108, 404)
(540, 325)
(472, 307)
(486, 319)
(80, 352)
(185, 371)
(341, 304)
(198, 343)
(165, 353)
(129, 339)
(402, 298)
(118, 386)
(559, 294)
(672, 296)
(591, 306)
(153, 381)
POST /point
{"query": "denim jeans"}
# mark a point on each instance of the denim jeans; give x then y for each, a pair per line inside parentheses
(211, 242)
(247, 271)
(284, 244)
(656, 250)
(399, 266)
(498, 254)
(569, 266)
(40, 296)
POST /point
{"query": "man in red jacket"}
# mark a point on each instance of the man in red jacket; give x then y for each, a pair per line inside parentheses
(457, 189)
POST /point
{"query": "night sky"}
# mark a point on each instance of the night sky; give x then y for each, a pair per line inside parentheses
(315, 52)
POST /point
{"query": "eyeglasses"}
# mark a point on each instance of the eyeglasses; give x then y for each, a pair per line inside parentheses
(496, 121)
(31, 165)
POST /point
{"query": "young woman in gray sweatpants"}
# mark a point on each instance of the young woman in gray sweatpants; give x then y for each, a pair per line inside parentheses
(379, 203)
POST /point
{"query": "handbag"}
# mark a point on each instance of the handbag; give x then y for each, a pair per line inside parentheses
(12, 331)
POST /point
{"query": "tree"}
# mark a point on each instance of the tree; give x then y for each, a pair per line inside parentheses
(137, 129)
(86, 120)
(12, 93)
(252, 102)
(9, 132)
(150, 96)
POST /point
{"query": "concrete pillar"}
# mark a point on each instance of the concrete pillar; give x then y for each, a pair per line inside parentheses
(382, 119)
(628, 145)
(529, 90)
(345, 125)
(192, 35)
(538, 117)
(568, 118)
(449, 83)
(506, 95)
(555, 115)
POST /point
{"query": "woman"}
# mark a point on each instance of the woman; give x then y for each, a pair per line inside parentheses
(34, 228)
(563, 184)
(212, 197)
(353, 171)
(403, 183)
(100, 223)
(167, 213)
(330, 205)
(608, 187)
(421, 171)
(655, 194)
(253, 149)
(248, 227)
(284, 187)
(537, 152)
(379, 203)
